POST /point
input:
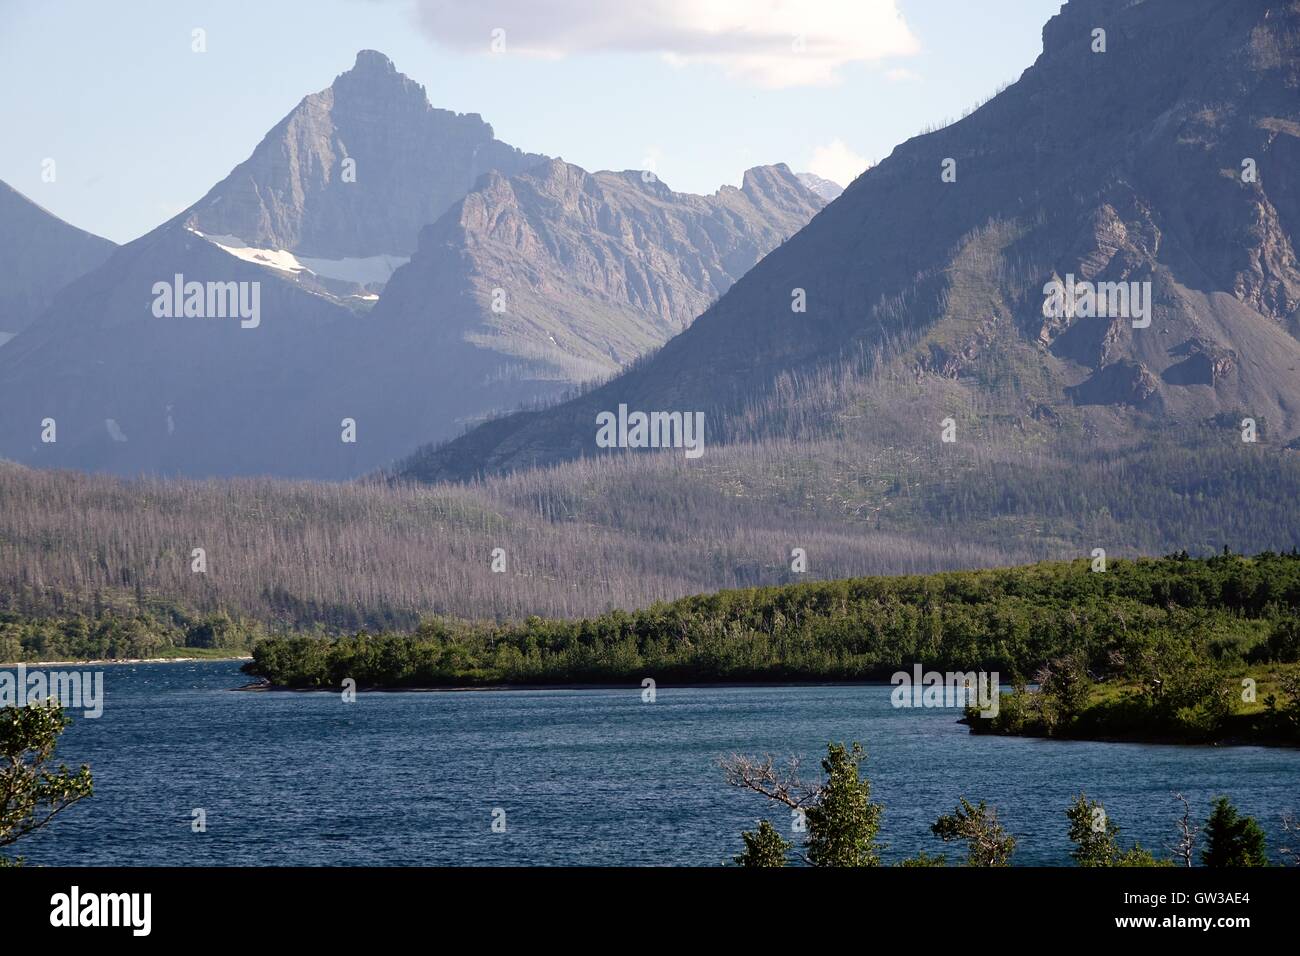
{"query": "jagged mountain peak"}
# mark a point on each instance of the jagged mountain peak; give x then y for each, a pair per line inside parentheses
(374, 77)
(373, 62)
(760, 177)
(355, 170)
(776, 184)
(771, 187)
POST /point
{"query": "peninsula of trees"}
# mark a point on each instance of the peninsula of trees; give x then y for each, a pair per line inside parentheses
(1169, 646)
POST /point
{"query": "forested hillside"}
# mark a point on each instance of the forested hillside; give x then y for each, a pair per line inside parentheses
(589, 537)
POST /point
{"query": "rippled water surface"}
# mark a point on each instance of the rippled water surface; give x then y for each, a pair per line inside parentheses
(584, 776)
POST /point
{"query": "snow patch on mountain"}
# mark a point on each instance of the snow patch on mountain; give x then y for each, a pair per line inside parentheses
(366, 270)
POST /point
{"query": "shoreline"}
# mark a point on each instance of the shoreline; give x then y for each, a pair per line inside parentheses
(263, 687)
(694, 685)
(108, 661)
(1158, 741)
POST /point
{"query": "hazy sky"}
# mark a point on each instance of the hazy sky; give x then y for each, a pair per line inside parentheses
(140, 126)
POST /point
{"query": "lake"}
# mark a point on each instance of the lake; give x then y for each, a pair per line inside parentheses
(583, 776)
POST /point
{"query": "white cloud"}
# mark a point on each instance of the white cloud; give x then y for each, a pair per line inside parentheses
(836, 162)
(768, 43)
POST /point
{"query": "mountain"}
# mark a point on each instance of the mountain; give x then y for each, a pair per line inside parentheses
(355, 170)
(133, 391)
(825, 451)
(42, 254)
(335, 196)
(828, 190)
(594, 270)
(554, 277)
(1169, 159)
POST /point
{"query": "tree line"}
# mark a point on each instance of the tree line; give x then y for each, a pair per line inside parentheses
(1176, 629)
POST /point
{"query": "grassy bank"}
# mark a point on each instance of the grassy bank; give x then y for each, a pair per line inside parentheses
(1257, 704)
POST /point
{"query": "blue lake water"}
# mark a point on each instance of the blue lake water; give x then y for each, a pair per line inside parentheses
(584, 776)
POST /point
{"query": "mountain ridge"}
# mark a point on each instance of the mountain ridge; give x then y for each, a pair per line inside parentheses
(611, 263)
(42, 254)
(909, 275)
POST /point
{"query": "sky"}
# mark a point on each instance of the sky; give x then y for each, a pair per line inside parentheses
(139, 124)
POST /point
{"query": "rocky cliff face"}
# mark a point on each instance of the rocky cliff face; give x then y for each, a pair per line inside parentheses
(355, 170)
(568, 275)
(41, 254)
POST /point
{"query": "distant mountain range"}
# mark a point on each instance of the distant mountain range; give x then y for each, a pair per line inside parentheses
(1160, 158)
(41, 255)
(902, 385)
(527, 276)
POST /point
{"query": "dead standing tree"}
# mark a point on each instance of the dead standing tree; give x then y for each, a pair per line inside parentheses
(1185, 849)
